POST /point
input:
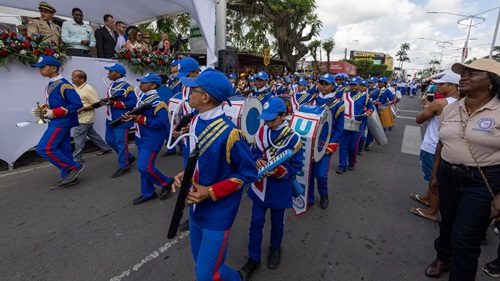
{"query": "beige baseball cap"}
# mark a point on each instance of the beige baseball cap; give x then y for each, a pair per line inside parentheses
(487, 65)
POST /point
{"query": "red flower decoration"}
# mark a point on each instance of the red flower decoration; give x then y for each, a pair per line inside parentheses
(128, 56)
(36, 52)
(5, 35)
(4, 53)
(13, 34)
(48, 52)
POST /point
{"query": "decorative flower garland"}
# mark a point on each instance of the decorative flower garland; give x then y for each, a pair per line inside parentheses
(141, 60)
(27, 49)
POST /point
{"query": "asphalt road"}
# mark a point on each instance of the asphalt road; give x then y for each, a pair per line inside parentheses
(92, 231)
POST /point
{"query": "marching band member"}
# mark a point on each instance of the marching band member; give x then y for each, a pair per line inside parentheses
(262, 90)
(61, 109)
(320, 169)
(373, 93)
(341, 84)
(173, 82)
(232, 79)
(278, 88)
(151, 129)
(363, 87)
(117, 137)
(301, 97)
(274, 191)
(311, 85)
(357, 105)
(224, 166)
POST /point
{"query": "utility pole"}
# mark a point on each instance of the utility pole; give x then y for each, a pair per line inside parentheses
(495, 35)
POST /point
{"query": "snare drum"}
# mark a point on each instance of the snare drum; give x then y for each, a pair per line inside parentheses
(245, 113)
(386, 117)
(351, 124)
(173, 107)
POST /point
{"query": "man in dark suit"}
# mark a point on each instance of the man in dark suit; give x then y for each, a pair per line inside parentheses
(106, 38)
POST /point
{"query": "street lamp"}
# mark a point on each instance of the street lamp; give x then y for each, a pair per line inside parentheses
(440, 43)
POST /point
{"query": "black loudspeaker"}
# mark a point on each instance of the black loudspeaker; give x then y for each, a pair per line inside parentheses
(228, 61)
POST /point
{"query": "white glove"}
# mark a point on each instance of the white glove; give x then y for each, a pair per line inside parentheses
(49, 114)
(35, 111)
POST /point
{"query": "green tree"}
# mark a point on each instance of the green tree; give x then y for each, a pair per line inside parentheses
(291, 23)
(362, 66)
(171, 26)
(328, 46)
(402, 54)
(313, 51)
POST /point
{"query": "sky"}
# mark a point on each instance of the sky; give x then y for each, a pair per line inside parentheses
(382, 26)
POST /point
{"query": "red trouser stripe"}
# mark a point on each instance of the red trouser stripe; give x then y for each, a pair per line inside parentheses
(48, 150)
(216, 276)
(151, 170)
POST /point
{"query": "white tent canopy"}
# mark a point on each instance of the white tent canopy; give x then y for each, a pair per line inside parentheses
(133, 11)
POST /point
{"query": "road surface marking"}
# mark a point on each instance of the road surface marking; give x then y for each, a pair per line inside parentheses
(404, 110)
(412, 139)
(406, 117)
(151, 256)
(11, 173)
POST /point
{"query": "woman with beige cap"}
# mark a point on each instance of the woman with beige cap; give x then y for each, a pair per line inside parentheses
(467, 170)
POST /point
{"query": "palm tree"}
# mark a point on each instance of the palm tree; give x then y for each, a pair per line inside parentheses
(313, 50)
(328, 46)
(402, 54)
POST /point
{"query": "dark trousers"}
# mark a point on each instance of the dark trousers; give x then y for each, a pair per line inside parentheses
(465, 211)
(78, 53)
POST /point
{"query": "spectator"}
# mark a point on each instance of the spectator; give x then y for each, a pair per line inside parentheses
(134, 41)
(120, 42)
(467, 170)
(23, 30)
(86, 117)
(164, 45)
(145, 41)
(106, 37)
(45, 26)
(78, 35)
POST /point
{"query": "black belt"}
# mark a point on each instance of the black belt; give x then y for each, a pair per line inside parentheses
(469, 168)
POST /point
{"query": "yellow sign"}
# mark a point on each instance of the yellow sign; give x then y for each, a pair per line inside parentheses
(267, 56)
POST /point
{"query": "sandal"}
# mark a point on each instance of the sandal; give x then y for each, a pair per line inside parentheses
(418, 198)
(418, 212)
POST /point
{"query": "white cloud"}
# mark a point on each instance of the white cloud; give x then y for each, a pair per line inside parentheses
(384, 25)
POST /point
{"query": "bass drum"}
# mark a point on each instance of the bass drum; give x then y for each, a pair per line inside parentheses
(386, 117)
(245, 114)
(314, 123)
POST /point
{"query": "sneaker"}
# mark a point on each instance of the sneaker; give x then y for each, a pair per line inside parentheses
(249, 268)
(340, 171)
(120, 172)
(491, 269)
(351, 168)
(59, 185)
(165, 191)
(184, 226)
(274, 258)
(102, 152)
(323, 202)
(72, 175)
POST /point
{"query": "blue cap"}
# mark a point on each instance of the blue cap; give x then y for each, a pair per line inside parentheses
(212, 81)
(364, 83)
(310, 77)
(232, 76)
(272, 108)
(186, 66)
(383, 79)
(262, 75)
(151, 77)
(393, 83)
(47, 60)
(174, 62)
(373, 79)
(355, 81)
(328, 78)
(278, 77)
(117, 68)
(251, 78)
(302, 82)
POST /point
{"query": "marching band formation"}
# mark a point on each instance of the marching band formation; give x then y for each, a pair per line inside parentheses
(276, 136)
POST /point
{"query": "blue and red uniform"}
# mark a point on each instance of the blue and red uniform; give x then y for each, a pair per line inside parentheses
(55, 144)
(274, 192)
(263, 94)
(355, 105)
(151, 129)
(320, 169)
(225, 165)
(117, 137)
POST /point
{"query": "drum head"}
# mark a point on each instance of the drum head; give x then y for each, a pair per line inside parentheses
(249, 121)
(322, 135)
(173, 107)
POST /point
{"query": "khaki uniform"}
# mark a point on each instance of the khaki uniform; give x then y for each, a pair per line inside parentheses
(482, 132)
(52, 32)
